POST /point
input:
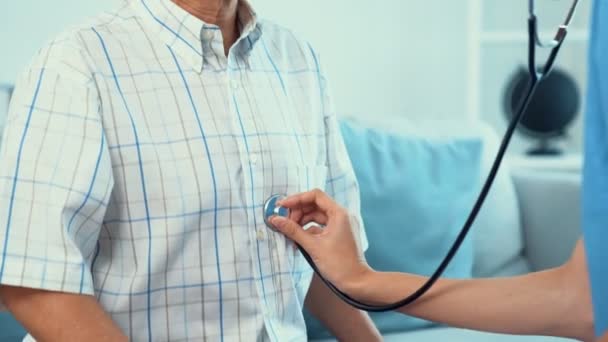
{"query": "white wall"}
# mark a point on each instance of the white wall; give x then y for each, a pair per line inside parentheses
(388, 57)
(25, 25)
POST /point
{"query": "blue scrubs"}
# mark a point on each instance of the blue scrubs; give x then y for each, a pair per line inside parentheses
(595, 183)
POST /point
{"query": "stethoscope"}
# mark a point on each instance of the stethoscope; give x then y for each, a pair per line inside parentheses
(536, 76)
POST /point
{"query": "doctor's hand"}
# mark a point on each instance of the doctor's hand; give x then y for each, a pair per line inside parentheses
(334, 247)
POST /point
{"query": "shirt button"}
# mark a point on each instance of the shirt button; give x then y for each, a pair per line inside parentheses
(260, 235)
(253, 159)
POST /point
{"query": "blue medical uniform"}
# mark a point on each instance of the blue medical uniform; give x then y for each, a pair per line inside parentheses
(595, 183)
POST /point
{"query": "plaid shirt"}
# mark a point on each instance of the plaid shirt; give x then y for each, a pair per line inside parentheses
(136, 160)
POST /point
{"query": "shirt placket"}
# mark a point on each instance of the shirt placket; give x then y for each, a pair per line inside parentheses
(253, 180)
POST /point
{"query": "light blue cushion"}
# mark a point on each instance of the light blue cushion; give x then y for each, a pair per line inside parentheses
(415, 195)
(10, 329)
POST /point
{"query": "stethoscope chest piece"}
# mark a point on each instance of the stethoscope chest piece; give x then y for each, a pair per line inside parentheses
(271, 209)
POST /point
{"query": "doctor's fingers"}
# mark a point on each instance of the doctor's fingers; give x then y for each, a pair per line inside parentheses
(318, 217)
(294, 231)
(303, 218)
(315, 230)
(315, 198)
(296, 214)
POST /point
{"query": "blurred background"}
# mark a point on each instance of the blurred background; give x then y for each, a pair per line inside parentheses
(434, 59)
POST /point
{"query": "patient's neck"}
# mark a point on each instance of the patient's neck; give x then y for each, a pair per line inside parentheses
(222, 13)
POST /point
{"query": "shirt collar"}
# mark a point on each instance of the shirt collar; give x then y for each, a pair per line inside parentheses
(194, 39)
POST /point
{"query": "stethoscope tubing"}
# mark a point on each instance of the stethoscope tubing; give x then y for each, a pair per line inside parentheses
(535, 78)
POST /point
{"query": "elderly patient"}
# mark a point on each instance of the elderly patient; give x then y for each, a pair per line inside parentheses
(138, 153)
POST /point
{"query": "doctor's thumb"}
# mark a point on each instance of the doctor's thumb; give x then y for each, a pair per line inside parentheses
(291, 229)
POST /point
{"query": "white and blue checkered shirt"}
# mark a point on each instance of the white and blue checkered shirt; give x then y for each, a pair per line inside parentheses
(135, 163)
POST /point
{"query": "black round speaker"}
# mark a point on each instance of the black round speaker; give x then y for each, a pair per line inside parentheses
(554, 106)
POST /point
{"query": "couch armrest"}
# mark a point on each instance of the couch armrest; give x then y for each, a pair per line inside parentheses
(549, 203)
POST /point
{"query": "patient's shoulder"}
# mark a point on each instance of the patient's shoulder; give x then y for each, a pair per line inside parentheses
(282, 42)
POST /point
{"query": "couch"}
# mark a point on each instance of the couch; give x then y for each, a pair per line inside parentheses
(530, 221)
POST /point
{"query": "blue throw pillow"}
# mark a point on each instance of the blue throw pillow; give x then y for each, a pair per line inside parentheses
(416, 193)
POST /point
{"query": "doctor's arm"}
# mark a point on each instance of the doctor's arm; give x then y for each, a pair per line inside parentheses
(554, 302)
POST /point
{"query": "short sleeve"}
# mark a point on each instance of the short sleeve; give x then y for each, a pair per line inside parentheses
(55, 174)
(342, 183)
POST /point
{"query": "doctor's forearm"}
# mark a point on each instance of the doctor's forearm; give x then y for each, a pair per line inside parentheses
(521, 305)
(518, 305)
(544, 303)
